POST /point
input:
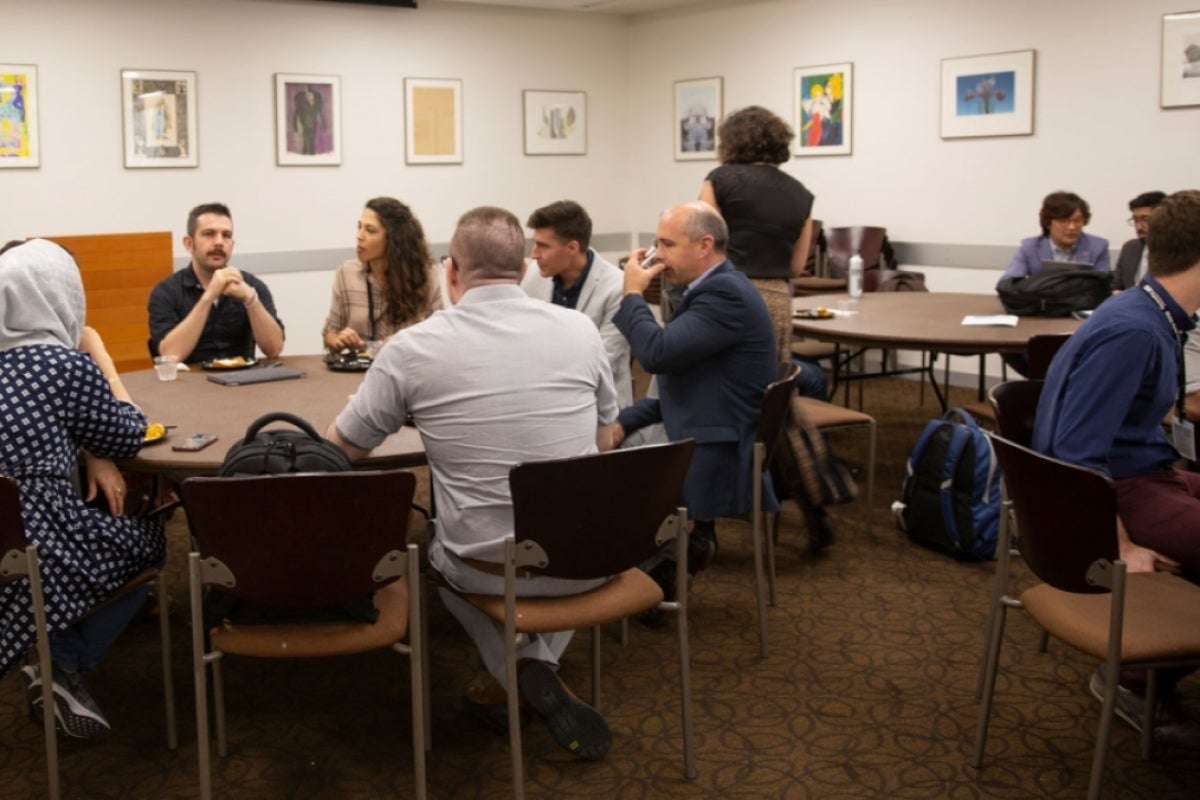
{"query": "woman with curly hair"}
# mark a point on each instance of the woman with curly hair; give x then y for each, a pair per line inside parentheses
(390, 285)
(769, 213)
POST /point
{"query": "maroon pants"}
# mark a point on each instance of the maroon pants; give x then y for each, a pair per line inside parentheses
(1162, 512)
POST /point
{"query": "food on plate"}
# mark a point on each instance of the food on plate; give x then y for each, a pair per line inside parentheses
(154, 432)
(236, 361)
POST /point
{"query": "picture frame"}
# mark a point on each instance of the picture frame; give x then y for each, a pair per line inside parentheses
(823, 99)
(988, 95)
(308, 120)
(433, 121)
(699, 108)
(1180, 60)
(159, 115)
(555, 122)
(19, 134)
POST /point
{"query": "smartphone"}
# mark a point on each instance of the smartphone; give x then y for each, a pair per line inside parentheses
(197, 441)
(649, 258)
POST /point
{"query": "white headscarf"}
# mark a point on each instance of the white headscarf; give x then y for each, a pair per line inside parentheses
(41, 296)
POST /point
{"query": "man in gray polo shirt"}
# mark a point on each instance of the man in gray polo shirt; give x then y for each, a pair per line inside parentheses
(497, 379)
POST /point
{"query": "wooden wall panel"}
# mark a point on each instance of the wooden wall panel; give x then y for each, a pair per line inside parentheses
(119, 270)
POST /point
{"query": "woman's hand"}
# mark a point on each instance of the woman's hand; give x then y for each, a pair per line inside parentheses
(103, 476)
(345, 338)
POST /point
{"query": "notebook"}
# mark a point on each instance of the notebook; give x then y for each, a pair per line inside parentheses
(242, 377)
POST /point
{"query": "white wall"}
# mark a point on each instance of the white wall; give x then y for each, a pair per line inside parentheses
(1098, 128)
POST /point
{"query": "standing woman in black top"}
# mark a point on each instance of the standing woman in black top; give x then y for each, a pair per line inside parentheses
(769, 213)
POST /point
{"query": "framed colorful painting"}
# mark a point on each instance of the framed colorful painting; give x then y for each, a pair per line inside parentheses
(308, 127)
(1181, 60)
(159, 118)
(698, 110)
(988, 95)
(555, 123)
(824, 99)
(18, 116)
(433, 121)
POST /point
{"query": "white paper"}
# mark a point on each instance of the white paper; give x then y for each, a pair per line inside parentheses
(994, 320)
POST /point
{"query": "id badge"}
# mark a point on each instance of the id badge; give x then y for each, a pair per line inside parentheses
(1183, 436)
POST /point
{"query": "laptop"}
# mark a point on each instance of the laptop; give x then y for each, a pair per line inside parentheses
(1051, 267)
(243, 377)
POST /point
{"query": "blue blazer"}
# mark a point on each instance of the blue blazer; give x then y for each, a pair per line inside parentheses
(1090, 251)
(714, 360)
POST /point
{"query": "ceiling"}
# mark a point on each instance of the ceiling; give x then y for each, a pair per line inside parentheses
(627, 7)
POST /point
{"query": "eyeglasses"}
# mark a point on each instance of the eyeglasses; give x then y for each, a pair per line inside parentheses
(1139, 220)
(1071, 222)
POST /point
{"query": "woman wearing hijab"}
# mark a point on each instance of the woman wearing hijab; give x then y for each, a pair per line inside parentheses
(59, 392)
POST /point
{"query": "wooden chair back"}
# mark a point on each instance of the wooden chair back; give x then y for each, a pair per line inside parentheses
(1042, 348)
(119, 270)
(1067, 516)
(1015, 404)
(301, 541)
(843, 242)
(774, 413)
(598, 515)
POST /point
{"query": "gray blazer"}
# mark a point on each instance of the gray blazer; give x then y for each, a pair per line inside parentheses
(1125, 275)
(599, 298)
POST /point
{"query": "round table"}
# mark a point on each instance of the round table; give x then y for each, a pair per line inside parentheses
(193, 404)
(926, 321)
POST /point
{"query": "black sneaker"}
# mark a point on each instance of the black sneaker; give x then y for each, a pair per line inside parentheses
(576, 726)
(702, 547)
(75, 712)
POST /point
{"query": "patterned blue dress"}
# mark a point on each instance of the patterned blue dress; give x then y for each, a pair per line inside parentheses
(53, 401)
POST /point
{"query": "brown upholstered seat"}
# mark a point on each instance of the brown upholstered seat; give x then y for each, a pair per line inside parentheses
(1085, 598)
(586, 518)
(303, 542)
(831, 416)
(19, 558)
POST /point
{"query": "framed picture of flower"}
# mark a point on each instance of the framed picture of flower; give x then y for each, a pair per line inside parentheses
(988, 95)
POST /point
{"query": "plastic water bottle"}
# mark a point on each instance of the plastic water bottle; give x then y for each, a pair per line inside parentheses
(855, 277)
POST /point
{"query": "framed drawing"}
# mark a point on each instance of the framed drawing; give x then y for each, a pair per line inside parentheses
(823, 98)
(308, 120)
(433, 117)
(1181, 60)
(555, 123)
(989, 95)
(160, 118)
(18, 116)
(698, 111)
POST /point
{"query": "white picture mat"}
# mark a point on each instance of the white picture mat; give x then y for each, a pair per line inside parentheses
(1179, 31)
(1017, 123)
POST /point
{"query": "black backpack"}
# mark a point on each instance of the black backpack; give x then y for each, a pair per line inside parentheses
(279, 451)
(1055, 294)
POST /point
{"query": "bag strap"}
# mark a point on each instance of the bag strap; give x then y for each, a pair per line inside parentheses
(962, 416)
(281, 416)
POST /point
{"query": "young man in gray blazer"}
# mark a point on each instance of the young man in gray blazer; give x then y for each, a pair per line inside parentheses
(1131, 264)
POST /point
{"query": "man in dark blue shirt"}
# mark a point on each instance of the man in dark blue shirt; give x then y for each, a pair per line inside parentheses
(212, 310)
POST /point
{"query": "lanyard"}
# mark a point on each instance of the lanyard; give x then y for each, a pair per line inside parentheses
(1162, 306)
(371, 308)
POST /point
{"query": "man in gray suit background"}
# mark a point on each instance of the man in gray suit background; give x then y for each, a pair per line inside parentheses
(571, 274)
(1131, 264)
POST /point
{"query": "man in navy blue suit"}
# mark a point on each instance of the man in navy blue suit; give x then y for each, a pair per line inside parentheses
(714, 360)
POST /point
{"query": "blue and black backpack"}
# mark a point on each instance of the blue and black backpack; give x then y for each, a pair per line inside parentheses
(951, 495)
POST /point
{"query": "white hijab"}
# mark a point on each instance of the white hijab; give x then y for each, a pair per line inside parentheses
(41, 296)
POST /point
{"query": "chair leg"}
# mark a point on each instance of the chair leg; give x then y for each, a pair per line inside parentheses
(219, 706)
(989, 685)
(46, 667)
(200, 680)
(1150, 708)
(685, 659)
(756, 533)
(771, 533)
(164, 630)
(625, 632)
(416, 666)
(512, 685)
(596, 667)
(871, 479)
(1112, 674)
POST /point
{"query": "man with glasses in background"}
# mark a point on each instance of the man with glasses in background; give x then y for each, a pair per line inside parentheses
(1131, 264)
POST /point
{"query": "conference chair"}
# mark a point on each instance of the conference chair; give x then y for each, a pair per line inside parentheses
(353, 526)
(19, 558)
(827, 417)
(1084, 596)
(584, 518)
(1040, 349)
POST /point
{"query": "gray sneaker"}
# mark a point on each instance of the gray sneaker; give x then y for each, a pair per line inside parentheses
(1172, 726)
(75, 712)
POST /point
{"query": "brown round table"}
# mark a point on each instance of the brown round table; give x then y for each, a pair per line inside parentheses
(925, 321)
(193, 404)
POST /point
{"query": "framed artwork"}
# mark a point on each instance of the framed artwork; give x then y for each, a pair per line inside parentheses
(823, 98)
(698, 111)
(433, 116)
(308, 120)
(1181, 60)
(160, 118)
(18, 116)
(988, 95)
(555, 123)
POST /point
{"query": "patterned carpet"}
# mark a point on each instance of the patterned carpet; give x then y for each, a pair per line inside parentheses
(868, 693)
